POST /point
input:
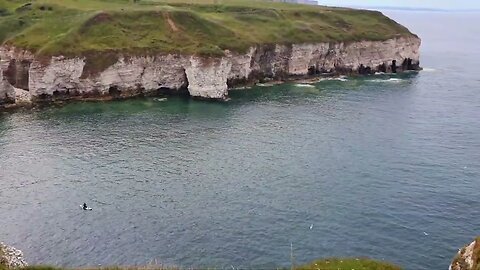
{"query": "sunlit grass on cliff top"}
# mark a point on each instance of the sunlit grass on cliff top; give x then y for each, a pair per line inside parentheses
(82, 27)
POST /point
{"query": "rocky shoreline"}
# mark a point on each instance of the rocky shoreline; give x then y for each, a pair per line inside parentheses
(11, 257)
(468, 257)
(26, 78)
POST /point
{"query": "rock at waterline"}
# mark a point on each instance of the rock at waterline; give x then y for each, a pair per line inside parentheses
(468, 257)
(11, 257)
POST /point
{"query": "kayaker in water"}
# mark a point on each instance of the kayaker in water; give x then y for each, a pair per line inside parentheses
(84, 206)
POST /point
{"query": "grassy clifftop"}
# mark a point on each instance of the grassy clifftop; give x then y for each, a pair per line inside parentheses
(325, 264)
(74, 27)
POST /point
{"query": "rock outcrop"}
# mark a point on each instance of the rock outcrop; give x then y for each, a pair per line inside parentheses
(25, 77)
(468, 257)
(11, 257)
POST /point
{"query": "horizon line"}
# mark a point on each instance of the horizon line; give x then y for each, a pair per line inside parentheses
(406, 8)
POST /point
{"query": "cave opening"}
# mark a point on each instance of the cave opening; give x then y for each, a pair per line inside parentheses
(394, 66)
(114, 91)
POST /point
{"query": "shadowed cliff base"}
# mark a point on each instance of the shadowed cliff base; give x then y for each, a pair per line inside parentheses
(60, 99)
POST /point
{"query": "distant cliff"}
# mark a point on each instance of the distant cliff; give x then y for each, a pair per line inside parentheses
(200, 49)
(207, 77)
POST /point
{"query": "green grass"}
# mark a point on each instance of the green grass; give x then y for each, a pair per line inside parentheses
(324, 264)
(348, 264)
(205, 27)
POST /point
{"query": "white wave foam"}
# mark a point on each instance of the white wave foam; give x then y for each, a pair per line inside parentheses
(428, 70)
(265, 84)
(160, 99)
(241, 88)
(304, 85)
(395, 80)
(341, 79)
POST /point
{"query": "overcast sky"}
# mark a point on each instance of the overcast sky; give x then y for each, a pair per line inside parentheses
(442, 4)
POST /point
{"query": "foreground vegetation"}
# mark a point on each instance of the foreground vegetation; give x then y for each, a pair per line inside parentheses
(348, 264)
(208, 27)
(325, 264)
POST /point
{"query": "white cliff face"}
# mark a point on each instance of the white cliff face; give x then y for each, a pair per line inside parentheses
(164, 72)
(127, 75)
(60, 75)
(206, 77)
(350, 56)
(241, 65)
(11, 257)
(145, 74)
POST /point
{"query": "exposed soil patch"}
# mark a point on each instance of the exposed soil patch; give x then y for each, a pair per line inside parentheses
(171, 23)
(97, 62)
(98, 18)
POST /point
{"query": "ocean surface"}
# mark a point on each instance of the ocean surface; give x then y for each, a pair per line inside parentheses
(383, 166)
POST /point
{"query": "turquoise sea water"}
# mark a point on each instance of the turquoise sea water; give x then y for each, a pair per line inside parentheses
(382, 166)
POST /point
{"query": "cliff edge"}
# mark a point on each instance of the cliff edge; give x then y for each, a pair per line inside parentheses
(11, 257)
(468, 257)
(99, 49)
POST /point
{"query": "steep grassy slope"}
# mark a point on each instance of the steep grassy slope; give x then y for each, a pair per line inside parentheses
(73, 27)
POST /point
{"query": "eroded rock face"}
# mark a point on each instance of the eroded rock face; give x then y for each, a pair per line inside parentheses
(7, 93)
(11, 257)
(206, 77)
(468, 257)
(349, 57)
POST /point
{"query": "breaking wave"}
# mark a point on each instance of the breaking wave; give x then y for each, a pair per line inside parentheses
(304, 85)
(428, 70)
(341, 78)
(392, 80)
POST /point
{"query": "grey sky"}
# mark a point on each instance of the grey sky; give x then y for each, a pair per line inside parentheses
(442, 4)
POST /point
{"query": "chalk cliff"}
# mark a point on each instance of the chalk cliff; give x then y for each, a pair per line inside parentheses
(27, 78)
